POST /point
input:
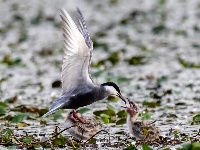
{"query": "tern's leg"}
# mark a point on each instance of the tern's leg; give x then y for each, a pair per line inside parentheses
(78, 118)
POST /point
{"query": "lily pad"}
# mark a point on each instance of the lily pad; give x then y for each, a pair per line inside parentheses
(27, 139)
(83, 110)
(196, 119)
(20, 117)
(121, 121)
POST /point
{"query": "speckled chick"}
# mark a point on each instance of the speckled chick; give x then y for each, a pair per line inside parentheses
(142, 130)
(82, 131)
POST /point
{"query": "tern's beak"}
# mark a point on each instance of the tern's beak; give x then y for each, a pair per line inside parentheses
(120, 96)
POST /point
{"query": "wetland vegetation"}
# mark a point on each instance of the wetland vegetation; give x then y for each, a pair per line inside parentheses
(150, 49)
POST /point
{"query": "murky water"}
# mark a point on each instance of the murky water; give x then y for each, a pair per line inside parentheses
(165, 33)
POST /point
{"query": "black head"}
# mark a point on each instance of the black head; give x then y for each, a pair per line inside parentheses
(112, 84)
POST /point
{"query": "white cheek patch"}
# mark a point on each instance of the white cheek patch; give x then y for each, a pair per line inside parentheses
(111, 90)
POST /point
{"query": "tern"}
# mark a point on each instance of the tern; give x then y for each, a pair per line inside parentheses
(142, 130)
(82, 131)
(78, 88)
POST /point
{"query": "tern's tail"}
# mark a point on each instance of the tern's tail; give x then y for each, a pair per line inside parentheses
(57, 104)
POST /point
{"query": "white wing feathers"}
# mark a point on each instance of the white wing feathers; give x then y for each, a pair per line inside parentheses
(76, 61)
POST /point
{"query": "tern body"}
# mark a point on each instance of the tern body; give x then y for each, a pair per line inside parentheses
(78, 88)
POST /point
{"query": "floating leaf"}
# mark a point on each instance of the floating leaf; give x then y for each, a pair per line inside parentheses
(111, 109)
(146, 147)
(162, 79)
(185, 146)
(6, 133)
(43, 122)
(11, 62)
(27, 139)
(20, 117)
(121, 121)
(38, 18)
(12, 99)
(92, 141)
(159, 29)
(196, 146)
(3, 104)
(122, 114)
(196, 118)
(58, 142)
(131, 147)
(2, 110)
(23, 36)
(105, 119)
(123, 80)
(114, 58)
(112, 98)
(57, 115)
(188, 64)
(146, 115)
(151, 104)
(83, 110)
(98, 113)
(137, 60)
(43, 111)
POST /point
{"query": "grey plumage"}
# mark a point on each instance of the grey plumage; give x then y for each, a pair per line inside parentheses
(78, 89)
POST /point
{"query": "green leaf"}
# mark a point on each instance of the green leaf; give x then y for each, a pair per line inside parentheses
(184, 146)
(6, 133)
(98, 113)
(188, 64)
(111, 109)
(105, 119)
(121, 121)
(3, 104)
(27, 139)
(131, 147)
(196, 118)
(151, 104)
(162, 79)
(122, 114)
(83, 110)
(57, 115)
(20, 117)
(92, 141)
(105, 115)
(146, 115)
(137, 60)
(112, 98)
(58, 142)
(2, 110)
(159, 29)
(123, 80)
(196, 146)
(146, 147)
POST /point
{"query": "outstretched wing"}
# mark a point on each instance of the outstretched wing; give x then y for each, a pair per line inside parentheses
(78, 50)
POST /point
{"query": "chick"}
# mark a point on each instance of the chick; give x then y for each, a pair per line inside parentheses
(142, 130)
(81, 131)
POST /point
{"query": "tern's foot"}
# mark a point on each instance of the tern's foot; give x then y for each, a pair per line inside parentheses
(78, 118)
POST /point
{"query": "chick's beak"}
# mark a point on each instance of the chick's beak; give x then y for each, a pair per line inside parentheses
(120, 96)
